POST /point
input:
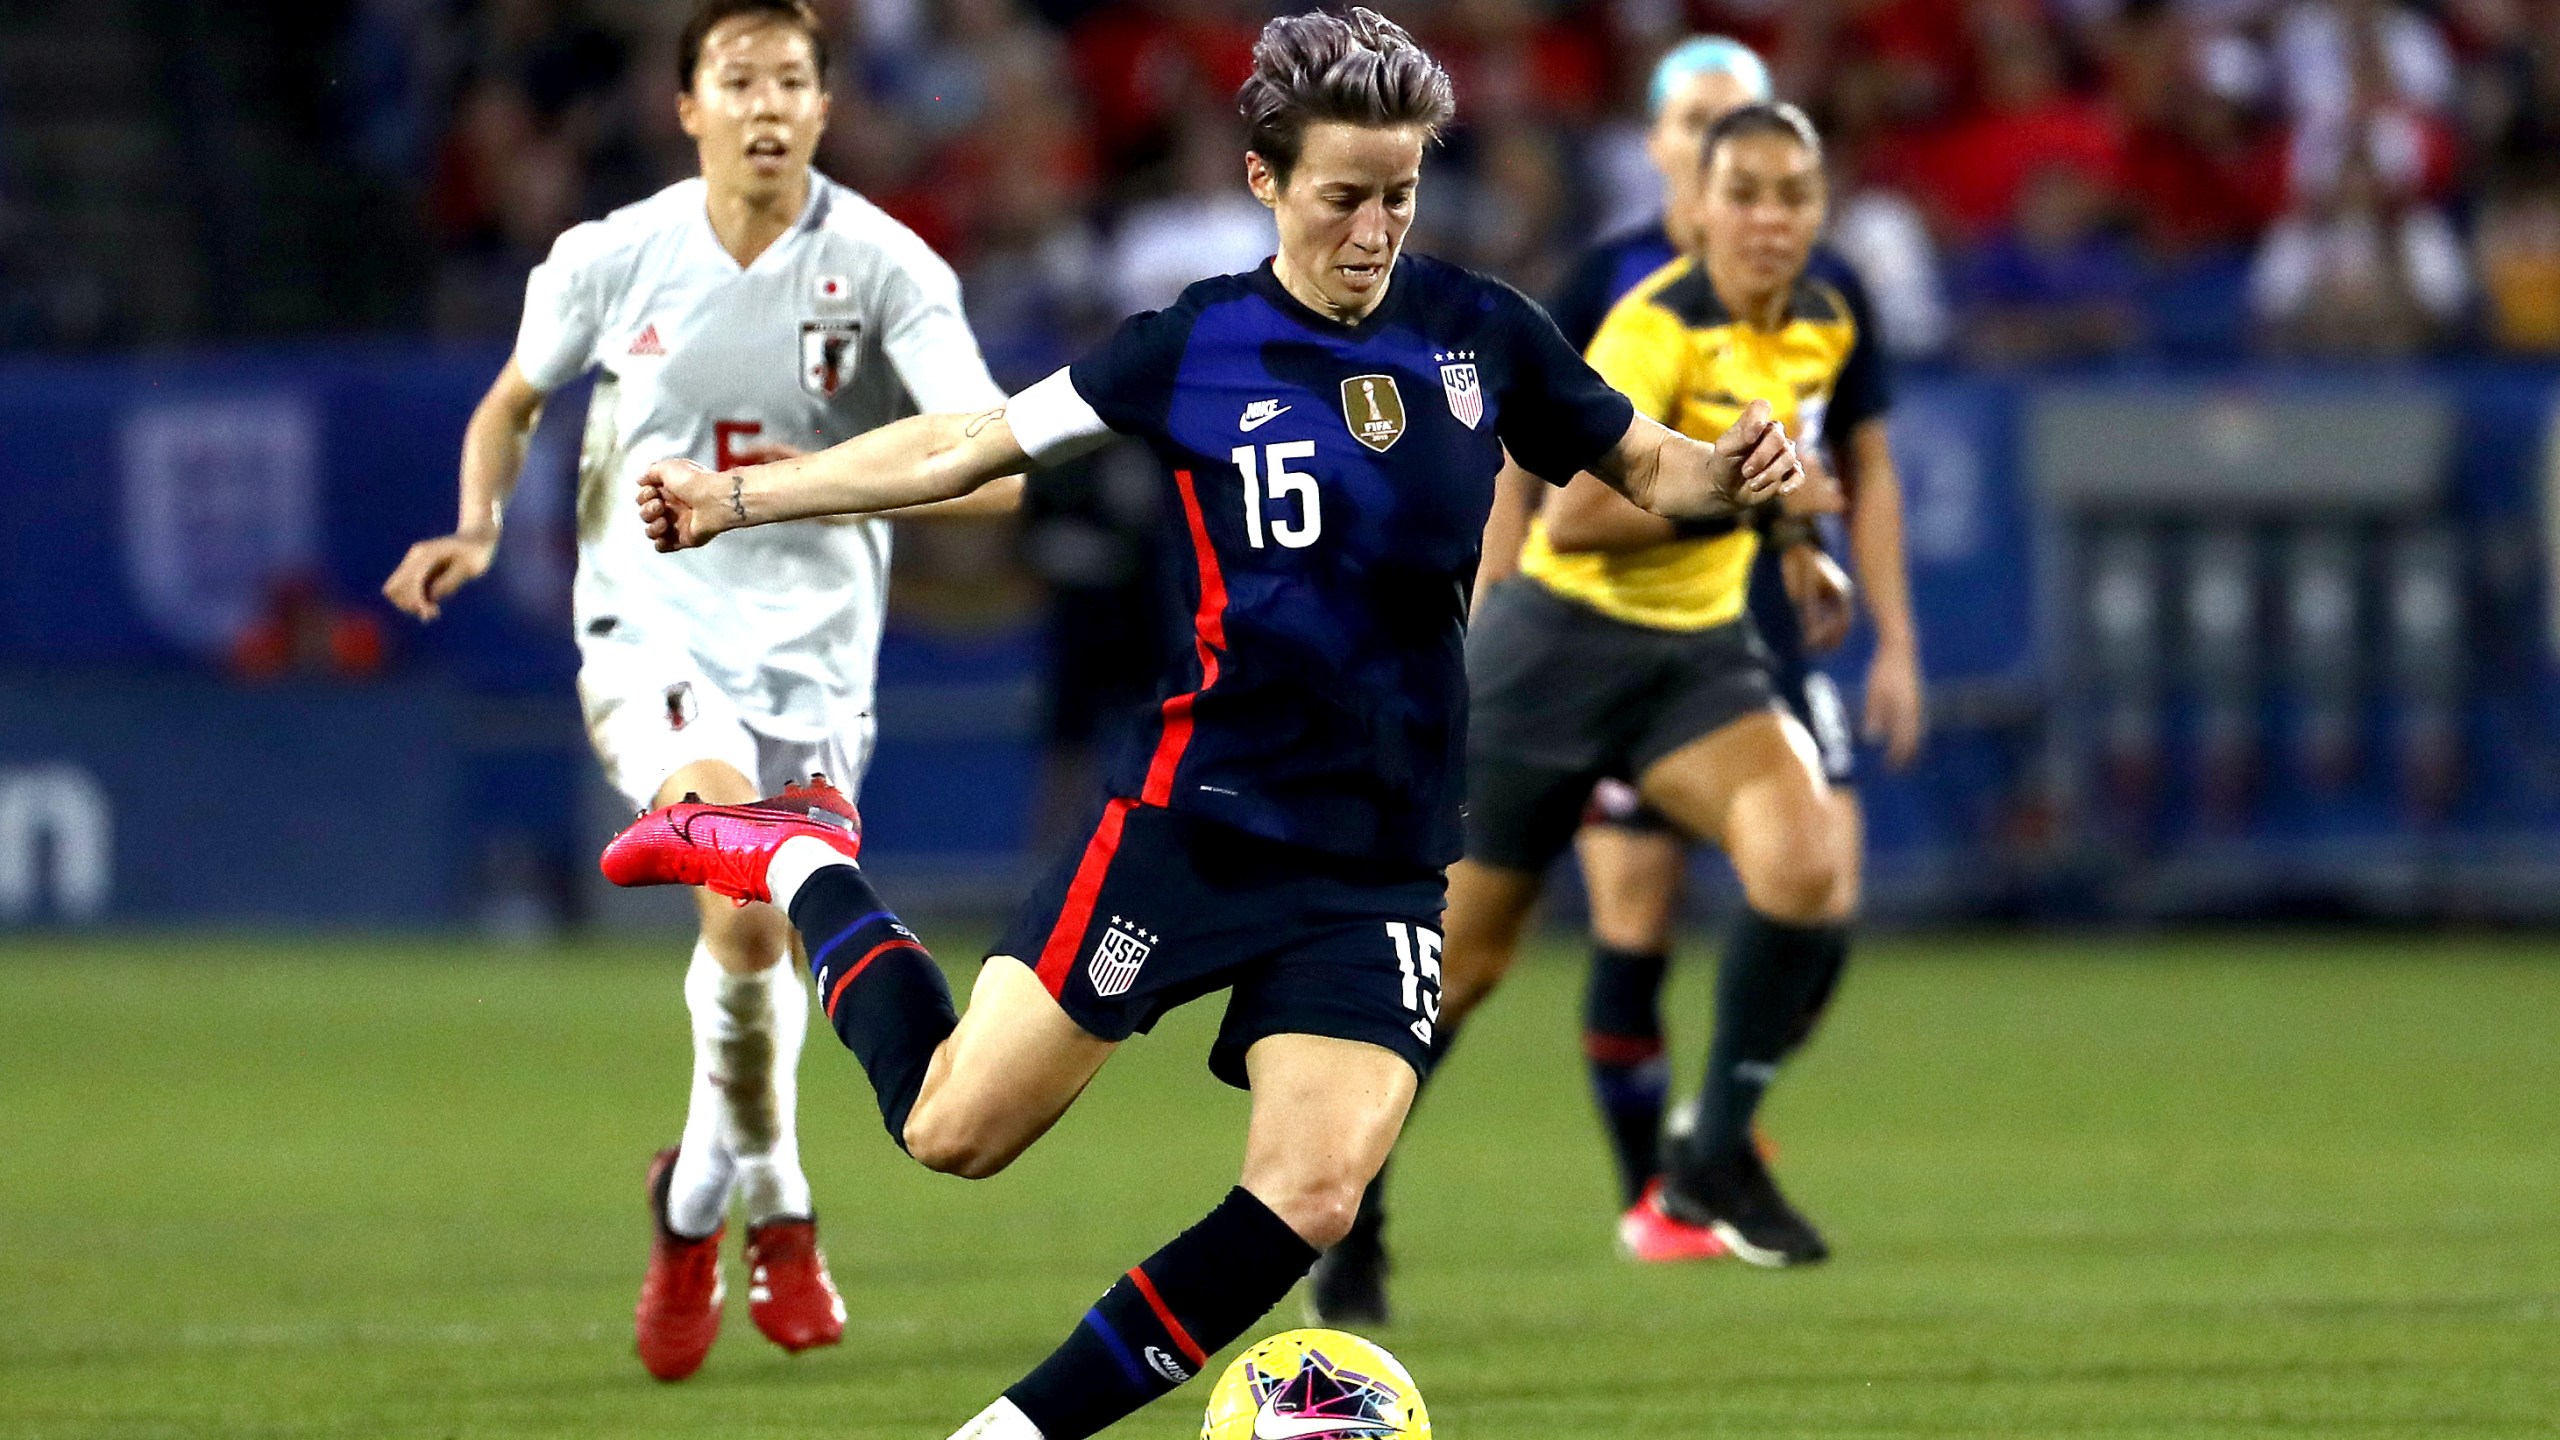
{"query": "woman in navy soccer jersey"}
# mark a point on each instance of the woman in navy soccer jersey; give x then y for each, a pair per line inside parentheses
(1332, 424)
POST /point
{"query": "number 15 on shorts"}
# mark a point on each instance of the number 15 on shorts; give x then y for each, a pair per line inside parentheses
(1418, 956)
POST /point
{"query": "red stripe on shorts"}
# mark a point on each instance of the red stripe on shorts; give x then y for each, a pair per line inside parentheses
(1058, 956)
(1208, 637)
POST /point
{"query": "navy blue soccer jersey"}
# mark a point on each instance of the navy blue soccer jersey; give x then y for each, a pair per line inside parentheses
(1330, 484)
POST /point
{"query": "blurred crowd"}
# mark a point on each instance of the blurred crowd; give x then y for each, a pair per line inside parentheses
(2070, 181)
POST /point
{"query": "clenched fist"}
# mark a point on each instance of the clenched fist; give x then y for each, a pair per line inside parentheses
(1755, 459)
(683, 505)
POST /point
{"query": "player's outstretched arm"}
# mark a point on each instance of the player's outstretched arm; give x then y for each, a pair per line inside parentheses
(1678, 478)
(921, 460)
(492, 459)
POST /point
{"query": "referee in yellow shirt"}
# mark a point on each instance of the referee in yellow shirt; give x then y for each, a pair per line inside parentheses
(1622, 650)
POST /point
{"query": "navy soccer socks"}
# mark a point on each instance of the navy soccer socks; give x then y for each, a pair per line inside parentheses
(1157, 1326)
(1630, 1074)
(1772, 974)
(880, 988)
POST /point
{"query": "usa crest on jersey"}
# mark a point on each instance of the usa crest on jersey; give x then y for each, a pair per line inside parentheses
(1465, 392)
(828, 349)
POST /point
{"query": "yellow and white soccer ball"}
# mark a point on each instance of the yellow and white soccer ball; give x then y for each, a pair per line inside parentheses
(1315, 1385)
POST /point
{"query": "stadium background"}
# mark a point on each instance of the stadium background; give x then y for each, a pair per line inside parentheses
(2229, 343)
(2197, 646)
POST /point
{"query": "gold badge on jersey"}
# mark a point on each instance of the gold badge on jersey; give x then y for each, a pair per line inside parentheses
(1373, 409)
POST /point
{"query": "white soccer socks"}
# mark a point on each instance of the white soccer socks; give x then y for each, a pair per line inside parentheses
(1000, 1421)
(793, 862)
(741, 1133)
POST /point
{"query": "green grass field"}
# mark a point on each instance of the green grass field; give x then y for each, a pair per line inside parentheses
(2221, 1186)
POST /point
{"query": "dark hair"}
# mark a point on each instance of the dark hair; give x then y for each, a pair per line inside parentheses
(1764, 117)
(1358, 68)
(708, 14)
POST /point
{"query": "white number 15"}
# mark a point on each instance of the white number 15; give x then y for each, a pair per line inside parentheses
(1296, 535)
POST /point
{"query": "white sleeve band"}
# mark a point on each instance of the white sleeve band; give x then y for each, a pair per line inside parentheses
(1053, 424)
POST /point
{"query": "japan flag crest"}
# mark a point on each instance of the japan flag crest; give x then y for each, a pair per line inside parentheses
(1465, 392)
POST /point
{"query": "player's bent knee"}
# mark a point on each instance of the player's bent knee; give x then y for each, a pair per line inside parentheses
(952, 1146)
(1800, 881)
(1321, 1211)
(746, 940)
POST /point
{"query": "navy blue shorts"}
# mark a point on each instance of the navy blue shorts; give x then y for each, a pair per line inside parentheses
(1160, 908)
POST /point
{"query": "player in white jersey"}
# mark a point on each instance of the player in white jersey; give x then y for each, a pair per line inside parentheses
(752, 313)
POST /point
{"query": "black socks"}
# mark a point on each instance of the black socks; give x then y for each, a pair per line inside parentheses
(1772, 976)
(1157, 1326)
(1630, 1074)
(879, 986)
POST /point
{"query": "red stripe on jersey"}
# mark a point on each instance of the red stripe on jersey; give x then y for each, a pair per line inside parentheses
(1191, 1350)
(874, 953)
(1058, 955)
(1208, 637)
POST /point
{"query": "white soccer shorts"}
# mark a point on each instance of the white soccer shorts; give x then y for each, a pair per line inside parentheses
(649, 713)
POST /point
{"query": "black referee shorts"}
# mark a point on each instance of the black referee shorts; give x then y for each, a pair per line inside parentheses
(1561, 696)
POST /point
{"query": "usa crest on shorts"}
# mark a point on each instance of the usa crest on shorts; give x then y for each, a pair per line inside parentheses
(828, 349)
(1116, 961)
(1459, 382)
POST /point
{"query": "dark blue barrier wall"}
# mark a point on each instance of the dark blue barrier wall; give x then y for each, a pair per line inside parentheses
(154, 503)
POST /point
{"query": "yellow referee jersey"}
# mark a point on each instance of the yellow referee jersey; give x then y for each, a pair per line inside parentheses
(1673, 349)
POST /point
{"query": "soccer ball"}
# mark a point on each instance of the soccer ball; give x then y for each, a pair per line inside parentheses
(1315, 1385)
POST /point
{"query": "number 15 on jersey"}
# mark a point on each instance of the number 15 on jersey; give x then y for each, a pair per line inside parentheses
(1275, 480)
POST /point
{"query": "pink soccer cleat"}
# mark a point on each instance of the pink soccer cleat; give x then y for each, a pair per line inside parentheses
(1649, 1237)
(727, 847)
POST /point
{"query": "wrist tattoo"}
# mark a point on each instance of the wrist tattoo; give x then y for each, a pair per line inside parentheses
(738, 496)
(983, 421)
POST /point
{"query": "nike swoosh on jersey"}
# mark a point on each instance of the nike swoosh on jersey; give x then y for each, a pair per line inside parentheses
(1267, 1426)
(1256, 416)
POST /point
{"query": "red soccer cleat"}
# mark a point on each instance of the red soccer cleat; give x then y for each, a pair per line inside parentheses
(1649, 1237)
(679, 1312)
(727, 847)
(792, 1299)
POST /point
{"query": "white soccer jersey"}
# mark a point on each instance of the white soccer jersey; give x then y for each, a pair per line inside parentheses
(846, 322)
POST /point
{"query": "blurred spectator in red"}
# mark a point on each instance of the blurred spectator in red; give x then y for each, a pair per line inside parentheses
(1971, 173)
(1894, 65)
(2199, 174)
(1143, 63)
(2057, 284)
(1516, 59)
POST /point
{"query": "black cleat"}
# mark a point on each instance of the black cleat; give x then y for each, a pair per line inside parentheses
(1736, 1197)
(1348, 1288)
